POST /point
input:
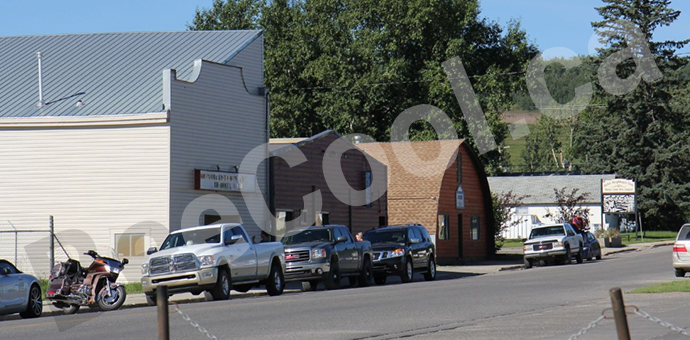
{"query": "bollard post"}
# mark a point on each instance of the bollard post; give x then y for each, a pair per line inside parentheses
(163, 320)
(619, 314)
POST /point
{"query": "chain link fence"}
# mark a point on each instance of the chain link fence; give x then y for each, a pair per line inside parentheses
(31, 249)
(193, 323)
(629, 310)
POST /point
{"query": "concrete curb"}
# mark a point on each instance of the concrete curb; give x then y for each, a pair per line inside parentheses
(669, 243)
(517, 266)
(618, 251)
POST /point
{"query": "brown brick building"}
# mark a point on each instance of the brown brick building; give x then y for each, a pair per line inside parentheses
(449, 196)
(290, 184)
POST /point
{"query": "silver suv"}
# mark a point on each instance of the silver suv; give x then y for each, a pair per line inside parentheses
(681, 257)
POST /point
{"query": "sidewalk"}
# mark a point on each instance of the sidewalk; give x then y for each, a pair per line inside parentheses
(495, 266)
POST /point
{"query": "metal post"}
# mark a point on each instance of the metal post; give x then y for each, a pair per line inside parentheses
(16, 240)
(163, 321)
(619, 314)
(52, 242)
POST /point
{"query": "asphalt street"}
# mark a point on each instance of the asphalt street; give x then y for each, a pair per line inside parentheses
(543, 302)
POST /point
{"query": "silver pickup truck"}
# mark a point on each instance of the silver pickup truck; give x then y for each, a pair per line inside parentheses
(553, 241)
(213, 258)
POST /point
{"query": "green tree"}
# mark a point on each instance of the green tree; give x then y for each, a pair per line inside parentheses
(569, 205)
(543, 149)
(504, 205)
(354, 65)
(642, 134)
(230, 15)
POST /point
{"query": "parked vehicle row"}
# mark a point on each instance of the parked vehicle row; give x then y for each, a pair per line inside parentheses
(219, 258)
(329, 253)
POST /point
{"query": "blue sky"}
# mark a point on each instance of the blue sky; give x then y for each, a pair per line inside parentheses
(549, 23)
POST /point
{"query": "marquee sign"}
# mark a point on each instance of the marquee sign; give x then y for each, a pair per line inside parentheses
(618, 196)
(223, 181)
(618, 186)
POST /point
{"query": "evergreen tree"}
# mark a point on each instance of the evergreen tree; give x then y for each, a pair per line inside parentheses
(642, 134)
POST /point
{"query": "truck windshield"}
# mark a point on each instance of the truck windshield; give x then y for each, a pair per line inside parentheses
(547, 231)
(396, 236)
(188, 238)
(319, 235)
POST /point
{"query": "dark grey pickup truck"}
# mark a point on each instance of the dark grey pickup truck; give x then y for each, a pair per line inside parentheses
(327, 253)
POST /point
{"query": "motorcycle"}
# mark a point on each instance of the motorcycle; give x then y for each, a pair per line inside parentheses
(71, 286)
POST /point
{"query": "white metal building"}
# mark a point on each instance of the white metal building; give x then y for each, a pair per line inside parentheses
(125, 123)
(541, 198)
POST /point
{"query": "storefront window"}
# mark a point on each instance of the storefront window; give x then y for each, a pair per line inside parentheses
(443, 227)
(474, 221)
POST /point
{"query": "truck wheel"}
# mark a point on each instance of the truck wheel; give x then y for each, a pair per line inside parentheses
(430, 274)
(151, 299)
(408, 274)
(579, 255)
(380, 279)
(274, 282)
(589, 254)
(309, 286)
(332, 279)
(680, 272)
(367, 274)
(599, 255)
(528, 263)
(222, 289)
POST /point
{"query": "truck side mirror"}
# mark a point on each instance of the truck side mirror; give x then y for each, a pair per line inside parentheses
(233, 239)
(523, 240)
(125, 261)
(5, 271)
(341, 239)
(151, 250)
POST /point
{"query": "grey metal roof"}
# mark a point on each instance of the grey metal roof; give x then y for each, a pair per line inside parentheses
(540, 187)
(112, 73)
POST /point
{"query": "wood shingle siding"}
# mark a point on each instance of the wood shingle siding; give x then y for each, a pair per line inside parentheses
(421, 197)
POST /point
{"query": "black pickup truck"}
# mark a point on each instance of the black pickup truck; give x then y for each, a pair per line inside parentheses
(327, 253)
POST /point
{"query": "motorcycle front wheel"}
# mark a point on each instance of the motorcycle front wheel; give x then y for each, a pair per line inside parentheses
(114, 301)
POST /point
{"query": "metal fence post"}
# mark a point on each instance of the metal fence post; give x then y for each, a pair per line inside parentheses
(163, 316)
(52, 242)
(619, 314)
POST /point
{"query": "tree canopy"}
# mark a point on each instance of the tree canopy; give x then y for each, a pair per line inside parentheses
(354, 65)
(642, 134)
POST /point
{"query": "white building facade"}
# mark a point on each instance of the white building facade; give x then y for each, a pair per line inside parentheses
(126, 122)
(540, 204)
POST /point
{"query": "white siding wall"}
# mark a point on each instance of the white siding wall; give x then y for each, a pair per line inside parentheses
(215, 122)
(529, 215)
(96, 182)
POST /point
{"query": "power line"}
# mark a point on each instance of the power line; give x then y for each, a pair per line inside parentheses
(311, 88)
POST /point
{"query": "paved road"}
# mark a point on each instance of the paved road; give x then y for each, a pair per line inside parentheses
(548, 302)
